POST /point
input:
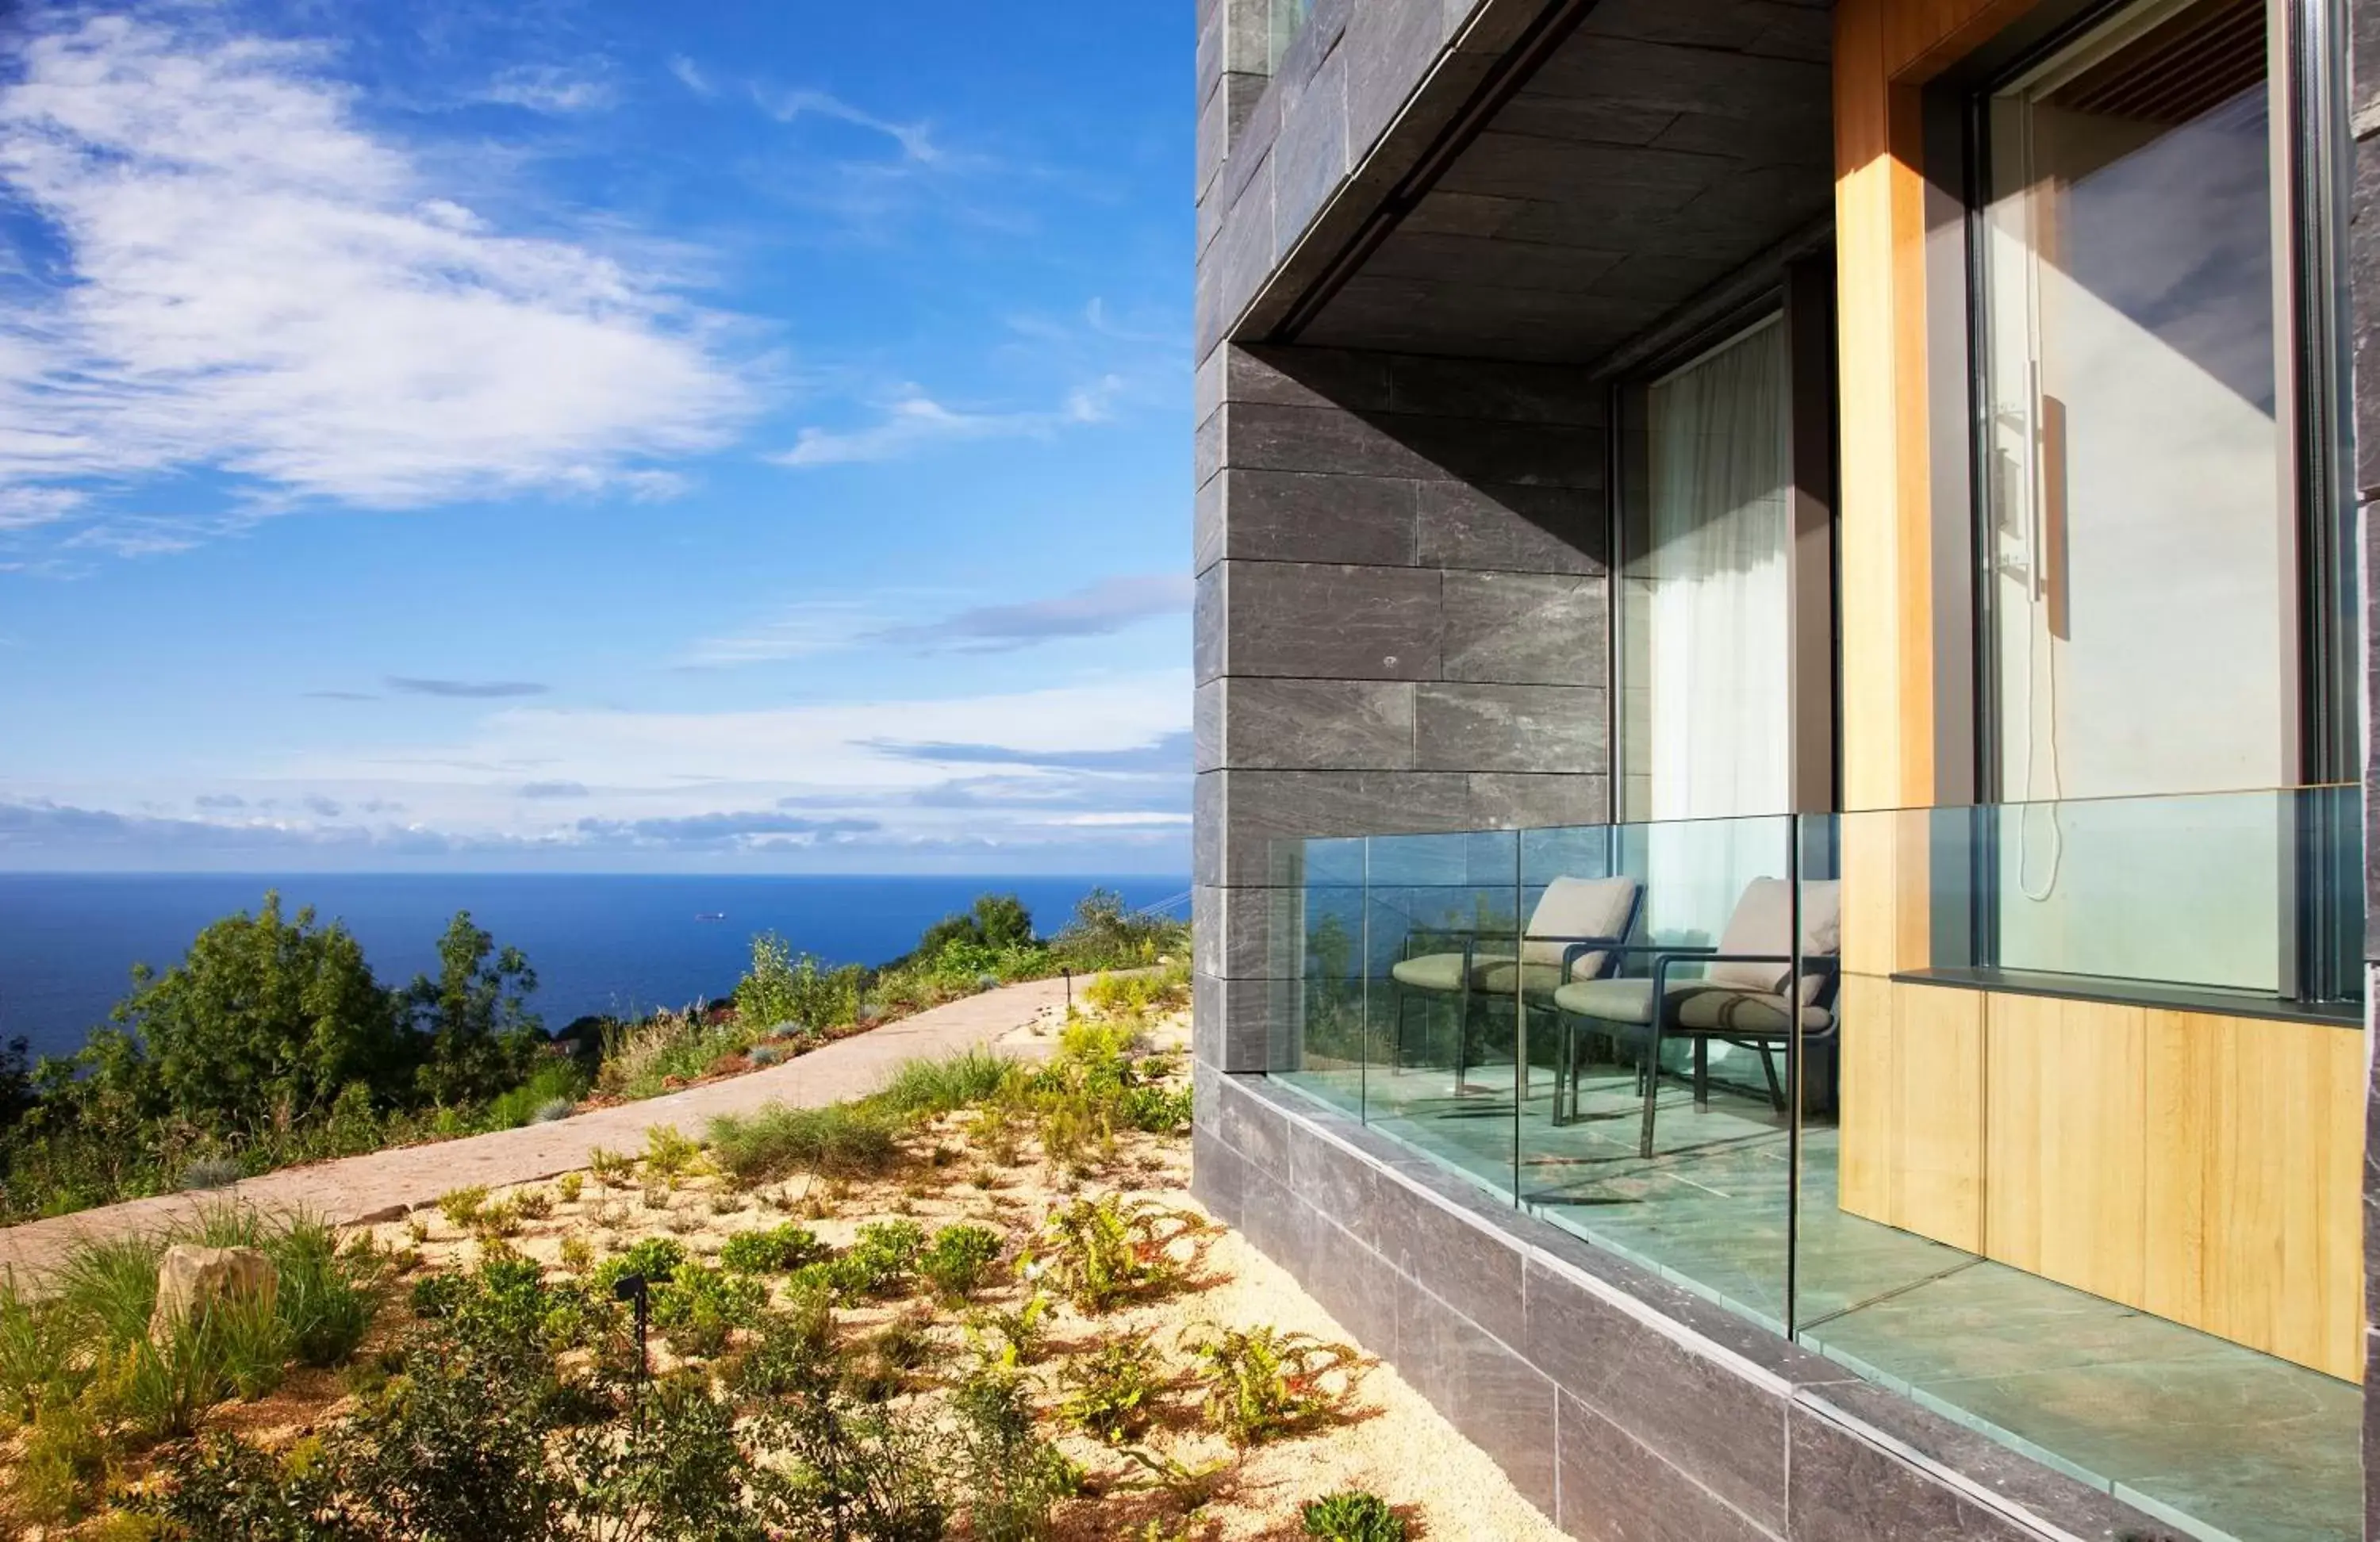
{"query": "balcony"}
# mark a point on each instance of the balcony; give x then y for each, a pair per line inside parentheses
(2065, 1140)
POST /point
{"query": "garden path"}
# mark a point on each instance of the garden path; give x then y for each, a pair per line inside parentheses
(381, 1185)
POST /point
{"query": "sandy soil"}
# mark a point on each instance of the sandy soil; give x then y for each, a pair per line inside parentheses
(1385, 1439)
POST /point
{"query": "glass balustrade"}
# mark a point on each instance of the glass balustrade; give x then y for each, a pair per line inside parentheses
(2049, 1116)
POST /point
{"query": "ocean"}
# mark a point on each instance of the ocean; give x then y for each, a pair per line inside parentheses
(606, 944)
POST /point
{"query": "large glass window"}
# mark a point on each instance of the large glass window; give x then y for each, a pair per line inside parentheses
(2142, 588)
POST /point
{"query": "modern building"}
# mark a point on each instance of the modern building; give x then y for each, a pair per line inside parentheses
(1782, 666)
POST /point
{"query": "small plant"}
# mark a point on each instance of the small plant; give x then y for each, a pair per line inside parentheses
(417, 1233)
(763, 1056)
(883, 1253)
(327, 1297)
(1187, 1487)
(657, 1197)
(959, 1260)
(1109, 1393)
(1262, 1383)
(570, 1185)
(700, 1309)
(210, 1172)
(496, 1220)
(841, 1140)
(1012, 1476)
(614, 1169)
(461, 1207)
(657, 1259)
(63, 1466)
(1354, 1516)
(729, 1202)
(669, 1155)
(553, 1108)
(776, 1251)
(1008, 1340)
(577, 1255)
(1101, 1251)
(533, 1204)
(894, 1351)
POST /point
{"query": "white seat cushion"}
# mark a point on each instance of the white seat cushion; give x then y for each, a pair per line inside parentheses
(1698, 1006)
(1762, 923)
(1578, 908)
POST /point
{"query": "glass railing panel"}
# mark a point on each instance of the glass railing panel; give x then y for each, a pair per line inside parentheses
(1316, 945)
(2080, 1146)
(1661, 1137)
(1443, 938)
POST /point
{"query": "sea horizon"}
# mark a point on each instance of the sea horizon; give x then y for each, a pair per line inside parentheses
(616, 943)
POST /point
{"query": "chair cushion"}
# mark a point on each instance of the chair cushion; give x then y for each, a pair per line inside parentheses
(1763, 922)
(1440, 972)
(1578, 908)
(1491, 976)
(1697, 1007)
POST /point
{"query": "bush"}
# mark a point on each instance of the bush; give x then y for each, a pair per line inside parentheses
(223, 1490)
(1013, 1477)
(700, 1309)
(921, 1089)
(1109, 1392)
(775, 1251)
(1104, 935)
(841, 1140)
(555, 1083)
(210, 1172)
(62, 1467)
(42, 1353)
(657, 1259)
(959, 1259)
(1262, 1382)
(1100, 1253)
(1352, 1517)
(327, 1298)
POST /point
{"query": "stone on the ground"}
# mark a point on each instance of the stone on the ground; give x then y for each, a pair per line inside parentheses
(194, 1278)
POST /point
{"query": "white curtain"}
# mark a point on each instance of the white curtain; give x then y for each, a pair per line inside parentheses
(1714, 664)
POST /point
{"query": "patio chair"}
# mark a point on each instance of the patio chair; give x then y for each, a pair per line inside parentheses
(1739, 997)
(1570, 918)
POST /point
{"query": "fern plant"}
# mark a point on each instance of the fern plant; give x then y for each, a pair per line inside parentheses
(1263, 1383)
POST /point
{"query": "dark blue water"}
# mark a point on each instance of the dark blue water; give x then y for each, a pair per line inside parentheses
(603, 943)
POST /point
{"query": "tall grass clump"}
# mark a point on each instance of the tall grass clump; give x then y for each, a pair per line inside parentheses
(328, 1296)
(555, 1080)
(920, 1089)
(841, 1140)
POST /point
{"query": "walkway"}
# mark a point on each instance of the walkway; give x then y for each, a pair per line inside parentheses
(384, 1185)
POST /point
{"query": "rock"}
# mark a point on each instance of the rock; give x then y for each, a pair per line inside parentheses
(193, 1279)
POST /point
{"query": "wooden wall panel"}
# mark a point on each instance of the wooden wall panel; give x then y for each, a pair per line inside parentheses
(2065, 1171)
(1868, 1096)
(1937, 1177)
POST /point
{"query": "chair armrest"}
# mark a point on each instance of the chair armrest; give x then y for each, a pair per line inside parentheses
(1811, 964)
(1576, 948)
(1467, 936)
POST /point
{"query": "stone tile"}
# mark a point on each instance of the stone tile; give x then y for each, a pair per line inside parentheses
(1310, 154)
(1612, 1489)
(1250, 1126)
(1208, 812)
(1522, 530)
(1277, 1223)
(1331, 621)
(1526, 628)
(1312, 377)
(1243, 1022)
(1263, 809)
(1506, 800)
(1389, 45)
(1847, 1490)
(1510, 728)
(1335, 1180)
(1244, 250)
(1207, 725)
(1356, 1285)
(1481, 451)
(1218, 1177)
(1209, 635)
(1207, 525)
(1263, 436)
(1703, 1418)
(1232, 928)
(1316, 724)
(1510, 393)
(1499, 1403)
(1454, 1258)
(1296, 517)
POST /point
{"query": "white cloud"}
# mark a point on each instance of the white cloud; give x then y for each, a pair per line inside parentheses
(551, 89)
(916, 139)
(917, 422)
(690, 76)
(814, 628)
(22, 508)
(808, 629)
(260, 285)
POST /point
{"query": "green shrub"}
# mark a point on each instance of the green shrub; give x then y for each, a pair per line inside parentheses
(1100, 1253)
(223, 1490)
(776, 1251)
(701, 1307)
(657, 1258)
(1262, 1382)
(920, 1089)
(669, 1155)
(109, 1285)
(454, 1448)
(1013, 1478)
(1352, 1517)
(1109, 1393)
(41, 1354)
(841, 1140)
(1005, 1339)
(555, 1081)
(884, 1251)
(959, 1260)
(63, 1466)
(327, 1297)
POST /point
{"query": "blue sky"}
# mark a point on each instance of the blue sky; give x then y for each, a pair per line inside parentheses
(595, 435)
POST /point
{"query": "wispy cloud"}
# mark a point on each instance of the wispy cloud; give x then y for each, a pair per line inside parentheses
(917, 422)
(691, 77)
(549, 790)
(474, 690)
(253, 281)
(811, 628)
(552, 88)
(916, 139)
(23, 508)
(1170, 753)
(1110, 605)
(341, 696)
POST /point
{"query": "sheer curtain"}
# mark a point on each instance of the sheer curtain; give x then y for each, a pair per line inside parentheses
(1713, 644)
